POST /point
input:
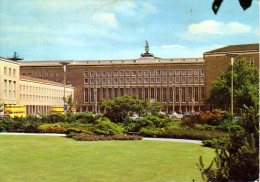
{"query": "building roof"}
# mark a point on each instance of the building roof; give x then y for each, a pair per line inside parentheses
(27, 78)
(235, 49)
(113, 62)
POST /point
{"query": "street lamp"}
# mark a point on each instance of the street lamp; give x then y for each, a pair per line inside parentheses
(232, 86)
(64, 64)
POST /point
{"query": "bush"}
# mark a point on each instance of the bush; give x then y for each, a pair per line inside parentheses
(216, 142)
(87, 137)
(53, 118)
(51, 128)
(81, 117)
(183, 133)
(105, 127)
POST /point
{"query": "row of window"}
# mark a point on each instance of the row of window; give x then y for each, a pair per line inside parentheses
(29, 88)
(9, 71)
(176, 79)
(156, 72)
(40, 98)
(160, 94)
(9, 84)
(10, 94)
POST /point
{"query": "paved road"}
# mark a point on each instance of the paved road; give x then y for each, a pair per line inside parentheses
(144, 138)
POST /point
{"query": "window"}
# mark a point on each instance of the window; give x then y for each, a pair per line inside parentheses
(183, 72)
(190, 71)
(183, 94)
(152, 72)
(164, 80)
(14, 72)
(140, 80)
(97, 74)
(91, 73)
(10, 71)
(196, 79)
(133, 73)
(86, 74)
(146, 80)
(152, 80)
(177, 79)
(5, 70)
(177, 94)
(189, 79)
(115, 81)
(97, 81)
(164, 72)
(133, 80)
(103, 73)
(115, 73)
(92, 81)
(146, 72)
(251, 61)
(170, 72)
(121, 80)
(171, 80)
(109, 80)
(158, 72)
(109, 73)
(103, 81)
(202, 93)
(189, 94)
(202, 79)
(140, 73)
(196, 72)
(127, 73)
(127, 80)
(5, 84)
(121, 73)
(196, 94)
(201, 71)
(183, 79)
(158, 80)
(177, 72)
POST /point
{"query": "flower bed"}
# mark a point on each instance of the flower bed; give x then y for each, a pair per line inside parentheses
(88, 137)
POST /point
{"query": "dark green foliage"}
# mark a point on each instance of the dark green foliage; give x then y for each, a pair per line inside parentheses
(105, 127)
(241, 153)
(216, 142)
(246, 87)
(87, 137)
(53, 118)
(82, 117)
(182, 133)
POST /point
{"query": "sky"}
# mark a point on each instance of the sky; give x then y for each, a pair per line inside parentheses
(117, 29)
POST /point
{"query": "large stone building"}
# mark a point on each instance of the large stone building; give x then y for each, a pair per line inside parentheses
(9, 81)
(218, 60)
(37, 95)
(178, 83)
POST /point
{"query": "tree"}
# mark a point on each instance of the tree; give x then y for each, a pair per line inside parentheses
(71, 104)
(243, 3)
(238, 159)
(246, 86)
(118, 109)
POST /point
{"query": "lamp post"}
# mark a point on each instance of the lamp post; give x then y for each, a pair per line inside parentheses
(232, 87)
(64, 64)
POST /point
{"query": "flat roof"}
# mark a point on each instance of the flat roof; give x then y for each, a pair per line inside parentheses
(113, 62)
(28, 78)
(236, 48)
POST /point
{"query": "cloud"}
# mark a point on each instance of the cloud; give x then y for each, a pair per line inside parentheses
(105, 18)
(169, 46)
(212, 27)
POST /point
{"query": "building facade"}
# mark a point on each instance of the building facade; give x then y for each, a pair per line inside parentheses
(217, 61)
(40, 95)
(37, 95)
(178, 83)
(9, 81)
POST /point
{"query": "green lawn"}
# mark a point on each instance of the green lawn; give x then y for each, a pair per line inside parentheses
(48, 158)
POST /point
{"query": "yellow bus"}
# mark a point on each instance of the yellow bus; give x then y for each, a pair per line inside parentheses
(57, 109)
(14, 110)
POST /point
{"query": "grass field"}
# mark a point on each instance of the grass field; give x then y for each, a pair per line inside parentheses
(48, 158)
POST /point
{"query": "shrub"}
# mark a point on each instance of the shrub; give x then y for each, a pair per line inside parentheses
(87, 137)
(81, 117)
(53, 118)
(105, 127)
(216, 142)
(183, 133)
(51, 128)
